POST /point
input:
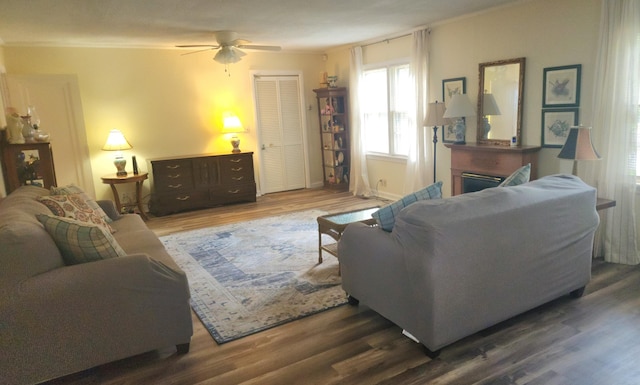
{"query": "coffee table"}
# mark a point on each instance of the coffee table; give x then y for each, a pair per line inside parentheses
(334, 225)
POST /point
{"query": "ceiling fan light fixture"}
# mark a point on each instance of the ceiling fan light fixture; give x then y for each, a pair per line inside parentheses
(228, 55)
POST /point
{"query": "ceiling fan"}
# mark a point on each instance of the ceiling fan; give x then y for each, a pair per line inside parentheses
(229, 47)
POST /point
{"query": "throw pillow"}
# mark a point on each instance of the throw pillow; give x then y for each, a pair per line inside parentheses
(74, 206)
(80, 242)
(386, 216)
(73, 189)
(519, 176)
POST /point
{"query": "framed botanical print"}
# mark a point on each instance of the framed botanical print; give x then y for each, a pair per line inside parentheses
(451, 87)
(556, 124)
(561, 86)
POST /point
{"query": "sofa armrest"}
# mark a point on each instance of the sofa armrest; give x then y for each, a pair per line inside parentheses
(109, 207)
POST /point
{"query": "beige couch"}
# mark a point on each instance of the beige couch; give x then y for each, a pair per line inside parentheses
(452, 267)
(57, 319)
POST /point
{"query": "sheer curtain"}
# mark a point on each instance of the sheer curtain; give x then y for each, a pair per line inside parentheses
(419, 174)
(615, 117)
(359, 181)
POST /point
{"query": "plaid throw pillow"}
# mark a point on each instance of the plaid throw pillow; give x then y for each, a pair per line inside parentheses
(80, 242)
(386, 216)
(519, 176)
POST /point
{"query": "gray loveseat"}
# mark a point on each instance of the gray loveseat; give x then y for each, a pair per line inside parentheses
(452, 267)
(57, 319)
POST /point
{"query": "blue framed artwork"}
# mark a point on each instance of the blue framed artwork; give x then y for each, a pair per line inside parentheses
(556, 123)
(561, 86)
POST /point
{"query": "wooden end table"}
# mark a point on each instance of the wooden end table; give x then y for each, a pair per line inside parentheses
(334, 225)
(113, 179)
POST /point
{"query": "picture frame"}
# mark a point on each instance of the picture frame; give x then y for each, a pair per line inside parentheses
(451, 87)
(561, 86)
(556, 123)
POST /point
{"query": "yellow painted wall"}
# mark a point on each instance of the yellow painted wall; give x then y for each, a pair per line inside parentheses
(167, 104)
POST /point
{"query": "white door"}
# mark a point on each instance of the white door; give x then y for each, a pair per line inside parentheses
(57, 101)
(280, 129)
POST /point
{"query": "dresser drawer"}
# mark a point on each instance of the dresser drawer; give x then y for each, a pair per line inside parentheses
(236, 193)
(236, 169)
(163, 204)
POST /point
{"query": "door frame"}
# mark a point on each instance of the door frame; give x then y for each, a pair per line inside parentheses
(303, 118)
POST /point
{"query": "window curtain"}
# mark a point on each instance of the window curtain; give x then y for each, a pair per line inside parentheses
(419, 172)
(359, 181)
(615, 117)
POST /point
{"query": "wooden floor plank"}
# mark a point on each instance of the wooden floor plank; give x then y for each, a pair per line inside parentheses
(588, 341)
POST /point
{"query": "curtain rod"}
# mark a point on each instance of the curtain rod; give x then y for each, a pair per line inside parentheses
(391, 38)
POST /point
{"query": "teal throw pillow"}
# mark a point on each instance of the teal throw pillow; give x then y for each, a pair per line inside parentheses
(386, 216)
(519, 176)
(80, 242)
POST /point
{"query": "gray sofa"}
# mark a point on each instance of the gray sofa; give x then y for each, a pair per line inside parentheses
(57, 319)
(452, 267)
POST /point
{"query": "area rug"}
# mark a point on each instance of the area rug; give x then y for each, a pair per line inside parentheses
(251, 276)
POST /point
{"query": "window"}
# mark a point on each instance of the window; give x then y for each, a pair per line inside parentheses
(388, 108)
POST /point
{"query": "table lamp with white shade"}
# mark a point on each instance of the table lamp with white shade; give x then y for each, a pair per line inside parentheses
(231, 125)
(489, 107)
(459, 107)
(578, 146)
(117, 142)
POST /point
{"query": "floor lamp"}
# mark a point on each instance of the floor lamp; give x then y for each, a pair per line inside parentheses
(434, 119)
(578, 146)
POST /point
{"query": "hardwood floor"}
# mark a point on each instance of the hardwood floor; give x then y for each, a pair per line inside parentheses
(592, 340)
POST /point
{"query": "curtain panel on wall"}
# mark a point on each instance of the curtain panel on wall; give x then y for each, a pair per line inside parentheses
(615, 117)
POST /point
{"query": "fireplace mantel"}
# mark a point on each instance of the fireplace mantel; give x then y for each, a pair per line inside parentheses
(491, 160)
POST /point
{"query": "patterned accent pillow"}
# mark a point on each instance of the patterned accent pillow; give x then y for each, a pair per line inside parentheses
(386, 216)
(80, 242)
(519, 176)
(74, 206)
(73, 189)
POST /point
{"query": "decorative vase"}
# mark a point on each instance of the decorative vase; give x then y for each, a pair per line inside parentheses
(27, 129)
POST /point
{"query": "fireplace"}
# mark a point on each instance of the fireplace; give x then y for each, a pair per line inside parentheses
(475, 182)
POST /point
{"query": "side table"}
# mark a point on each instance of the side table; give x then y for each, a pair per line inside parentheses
(113, 179)
(334, 225)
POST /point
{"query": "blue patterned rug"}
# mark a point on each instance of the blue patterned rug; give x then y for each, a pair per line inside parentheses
(251, 276)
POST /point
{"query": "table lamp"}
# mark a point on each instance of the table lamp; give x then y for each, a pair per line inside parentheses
(117, 142)
(459, 107)
(435, 119)
(578, 147)
(231, 125)
(489, 107)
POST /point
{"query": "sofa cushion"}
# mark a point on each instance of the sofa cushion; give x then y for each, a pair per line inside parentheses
(73, 189)
(519, 176)
(386, 216)
(76, 207)
(79, 241)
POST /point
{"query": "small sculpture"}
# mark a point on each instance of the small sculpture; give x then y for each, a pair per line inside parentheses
(14, 126)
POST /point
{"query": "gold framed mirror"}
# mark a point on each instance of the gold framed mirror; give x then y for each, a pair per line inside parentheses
(500, 98)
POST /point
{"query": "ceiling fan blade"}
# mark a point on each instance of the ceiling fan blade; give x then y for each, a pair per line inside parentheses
(199, 50)
(238, 42)
(260, 47)
(211, 46)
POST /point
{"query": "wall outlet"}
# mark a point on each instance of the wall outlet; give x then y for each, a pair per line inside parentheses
(383, 182)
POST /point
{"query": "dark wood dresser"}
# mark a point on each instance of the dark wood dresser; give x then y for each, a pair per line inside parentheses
(201, 181)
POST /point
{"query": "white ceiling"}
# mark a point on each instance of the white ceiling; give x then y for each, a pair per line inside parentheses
(293, 24)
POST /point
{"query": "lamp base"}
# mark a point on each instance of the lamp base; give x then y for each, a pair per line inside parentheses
(120, 164)
(235, 142)
(460, 130)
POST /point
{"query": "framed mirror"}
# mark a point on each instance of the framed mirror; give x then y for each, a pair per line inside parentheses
(500, 101)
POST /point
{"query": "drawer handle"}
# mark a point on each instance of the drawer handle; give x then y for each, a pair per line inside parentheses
(186, 198)
(174, 176)
(236, 169)
(175, 185)
(233, 191)
(173, 167)
(236, 160)
(237, 178)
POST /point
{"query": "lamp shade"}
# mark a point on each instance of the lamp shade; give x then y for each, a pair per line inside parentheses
(231, 123)
(459, 107)
(489, 105)
(116, 142)
(578, 145)
(435, 115)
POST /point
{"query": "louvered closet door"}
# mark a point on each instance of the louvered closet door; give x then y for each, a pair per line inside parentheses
(280, 133)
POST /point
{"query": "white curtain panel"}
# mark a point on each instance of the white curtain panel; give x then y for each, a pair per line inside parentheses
(359, 181)
(419, 172)
(615, 117)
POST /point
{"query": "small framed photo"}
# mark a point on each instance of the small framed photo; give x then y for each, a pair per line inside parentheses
(561, 86)
(448, 133)
(451, 87)
(556, 124)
